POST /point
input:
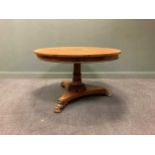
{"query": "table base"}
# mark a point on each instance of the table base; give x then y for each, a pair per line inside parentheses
(73, 92)
(76, 89)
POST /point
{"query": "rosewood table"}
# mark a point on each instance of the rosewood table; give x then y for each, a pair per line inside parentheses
(76, 88)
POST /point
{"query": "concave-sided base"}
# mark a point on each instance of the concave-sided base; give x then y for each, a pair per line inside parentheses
(73, 91)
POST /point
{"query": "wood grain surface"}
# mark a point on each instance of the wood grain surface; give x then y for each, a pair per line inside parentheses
(76, 88)
(77, 51)
(77, 54)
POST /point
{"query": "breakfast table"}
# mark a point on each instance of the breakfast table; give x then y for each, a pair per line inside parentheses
(75, 88)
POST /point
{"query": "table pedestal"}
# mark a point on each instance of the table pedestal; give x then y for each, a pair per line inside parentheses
(76, 89)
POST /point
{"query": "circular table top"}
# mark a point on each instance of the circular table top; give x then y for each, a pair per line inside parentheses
(77, 54)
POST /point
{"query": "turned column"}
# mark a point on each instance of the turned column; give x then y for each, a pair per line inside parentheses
(77, 85)
(77, 74)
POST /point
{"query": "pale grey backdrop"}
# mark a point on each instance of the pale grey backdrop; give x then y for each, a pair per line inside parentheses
(18, 38)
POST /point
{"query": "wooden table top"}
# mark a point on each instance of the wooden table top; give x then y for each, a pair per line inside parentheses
(75, 54)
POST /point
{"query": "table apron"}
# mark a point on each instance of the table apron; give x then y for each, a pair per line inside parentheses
(78, 59)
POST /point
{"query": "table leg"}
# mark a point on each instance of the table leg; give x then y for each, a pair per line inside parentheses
(76, 89)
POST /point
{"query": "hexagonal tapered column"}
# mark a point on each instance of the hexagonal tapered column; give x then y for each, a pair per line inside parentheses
(76, 89)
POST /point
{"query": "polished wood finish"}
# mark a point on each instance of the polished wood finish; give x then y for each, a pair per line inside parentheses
(77, 51)
(76, 88)
(77, 54)
(77, 92)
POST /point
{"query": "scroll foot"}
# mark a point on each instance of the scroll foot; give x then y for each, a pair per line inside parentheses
(59, 106)
(73, 92)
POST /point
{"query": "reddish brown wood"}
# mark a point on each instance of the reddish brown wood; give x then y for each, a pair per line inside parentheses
(70, 95)
(76, 85)
(77, 54)
(76, 89)
(77, 74)
(83, 52)
(79, 59)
